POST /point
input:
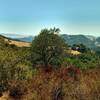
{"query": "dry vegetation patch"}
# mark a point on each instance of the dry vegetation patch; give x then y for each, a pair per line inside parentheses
(19, 43)
(58, 85)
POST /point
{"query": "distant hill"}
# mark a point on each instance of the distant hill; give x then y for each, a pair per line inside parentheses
(88, 40)
(4, 41)
(24, 38)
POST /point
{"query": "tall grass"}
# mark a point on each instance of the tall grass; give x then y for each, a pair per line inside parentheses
(59, 84)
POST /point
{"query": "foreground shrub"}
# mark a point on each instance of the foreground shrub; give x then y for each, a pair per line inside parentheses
(58, 84)
(73, 72)
(18, 89)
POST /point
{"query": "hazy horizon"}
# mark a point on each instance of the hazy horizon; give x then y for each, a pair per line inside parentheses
(28, 17)
(15, 35)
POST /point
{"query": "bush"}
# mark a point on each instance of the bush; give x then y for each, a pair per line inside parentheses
(18, 89)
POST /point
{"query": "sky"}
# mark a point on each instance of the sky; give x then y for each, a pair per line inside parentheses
(28, 17)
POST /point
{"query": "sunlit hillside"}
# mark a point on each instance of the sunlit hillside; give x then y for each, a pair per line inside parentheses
(17, 43)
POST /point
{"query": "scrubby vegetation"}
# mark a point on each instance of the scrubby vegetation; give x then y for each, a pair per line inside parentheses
(48, 71)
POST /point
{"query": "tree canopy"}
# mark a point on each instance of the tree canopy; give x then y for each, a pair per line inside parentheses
(48, 47)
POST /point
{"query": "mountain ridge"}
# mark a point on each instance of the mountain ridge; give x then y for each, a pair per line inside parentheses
(88, 40)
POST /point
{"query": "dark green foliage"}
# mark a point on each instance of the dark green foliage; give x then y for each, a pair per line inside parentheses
(80, 47)
(48, 47)
(13, 46)
(84, 60)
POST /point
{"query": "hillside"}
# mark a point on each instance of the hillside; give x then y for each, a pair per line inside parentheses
(88, 40)
(24, 38)
(19, 43)
(6, 40)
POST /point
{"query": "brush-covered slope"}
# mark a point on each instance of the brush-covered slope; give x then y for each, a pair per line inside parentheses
(89, 41)
(8, 41)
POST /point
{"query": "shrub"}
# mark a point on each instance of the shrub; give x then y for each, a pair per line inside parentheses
(18, 89)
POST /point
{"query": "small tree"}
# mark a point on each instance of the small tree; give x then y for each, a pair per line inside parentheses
(80, 47)
(48, 47)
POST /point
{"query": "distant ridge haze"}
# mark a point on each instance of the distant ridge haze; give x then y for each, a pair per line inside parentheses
(88, 40)
(11, 35)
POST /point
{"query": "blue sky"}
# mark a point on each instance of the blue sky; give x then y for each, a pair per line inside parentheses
(30, 16)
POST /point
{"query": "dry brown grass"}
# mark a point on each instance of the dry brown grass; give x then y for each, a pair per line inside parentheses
(74, 52)
(58, 85)
(19, 43)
